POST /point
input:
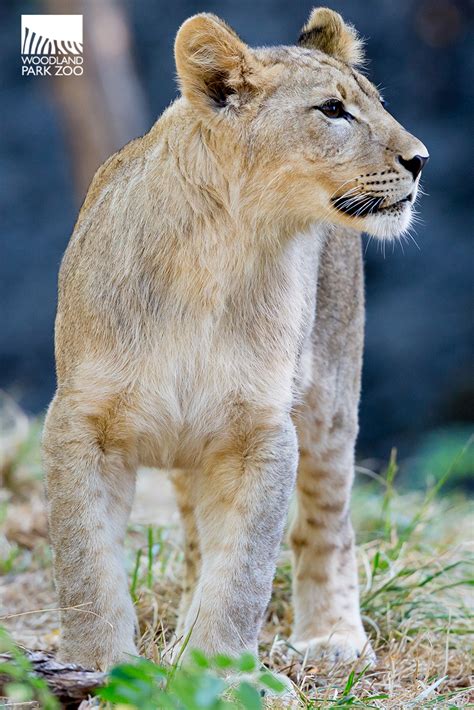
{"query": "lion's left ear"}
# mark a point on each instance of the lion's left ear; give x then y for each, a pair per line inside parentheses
(213, 63)
(327, 31)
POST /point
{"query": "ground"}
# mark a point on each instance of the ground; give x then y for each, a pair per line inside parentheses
(415, 553)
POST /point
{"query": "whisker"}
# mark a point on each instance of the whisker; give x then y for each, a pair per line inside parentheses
(331, 209)
(367, 245)
(341, 186)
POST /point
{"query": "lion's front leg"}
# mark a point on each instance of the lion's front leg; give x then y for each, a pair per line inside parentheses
(90, 493)
(242, 498)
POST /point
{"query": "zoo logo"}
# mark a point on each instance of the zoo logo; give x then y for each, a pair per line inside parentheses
(51, 45)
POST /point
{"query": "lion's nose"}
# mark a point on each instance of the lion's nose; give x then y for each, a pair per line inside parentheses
(414, 165)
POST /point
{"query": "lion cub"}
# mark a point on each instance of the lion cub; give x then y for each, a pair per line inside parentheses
(210, 321)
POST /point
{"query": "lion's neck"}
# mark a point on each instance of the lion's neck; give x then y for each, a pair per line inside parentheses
(209, 187)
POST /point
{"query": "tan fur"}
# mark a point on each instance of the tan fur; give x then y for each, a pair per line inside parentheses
(210, 296)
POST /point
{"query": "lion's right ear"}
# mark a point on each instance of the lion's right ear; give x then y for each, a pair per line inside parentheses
(213, 63)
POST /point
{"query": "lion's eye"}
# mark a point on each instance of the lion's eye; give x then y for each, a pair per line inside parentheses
(334, 109)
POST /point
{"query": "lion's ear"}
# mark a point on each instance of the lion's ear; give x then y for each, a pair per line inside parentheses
(213, 63)
(327, 31)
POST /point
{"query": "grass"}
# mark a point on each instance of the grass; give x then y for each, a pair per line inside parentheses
(416, 578)
(202, 683)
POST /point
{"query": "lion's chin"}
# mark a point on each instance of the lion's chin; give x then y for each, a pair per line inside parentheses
(389, 224)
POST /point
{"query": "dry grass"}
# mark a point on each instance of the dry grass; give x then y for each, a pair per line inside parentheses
(415, 553)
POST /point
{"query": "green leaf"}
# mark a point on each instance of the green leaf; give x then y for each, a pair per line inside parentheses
(248, 696)
(221, 661)
(272, 682)
(22, 679)
(247, 663)
(200, 659)
(209, 690)
(19, 692)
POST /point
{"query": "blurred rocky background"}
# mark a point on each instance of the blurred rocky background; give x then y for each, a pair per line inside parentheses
(418, 385)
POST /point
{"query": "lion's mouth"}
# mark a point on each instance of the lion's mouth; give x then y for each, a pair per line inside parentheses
(364, 205)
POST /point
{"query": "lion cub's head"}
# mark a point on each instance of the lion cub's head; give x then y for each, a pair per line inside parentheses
(302, 132)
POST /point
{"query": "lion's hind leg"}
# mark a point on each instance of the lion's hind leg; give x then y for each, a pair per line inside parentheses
(184, 483)
(325, 585)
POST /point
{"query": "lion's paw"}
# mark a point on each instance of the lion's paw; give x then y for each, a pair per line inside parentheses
(336, 648)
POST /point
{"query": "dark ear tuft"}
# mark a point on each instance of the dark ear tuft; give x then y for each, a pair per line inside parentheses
(327, 31)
